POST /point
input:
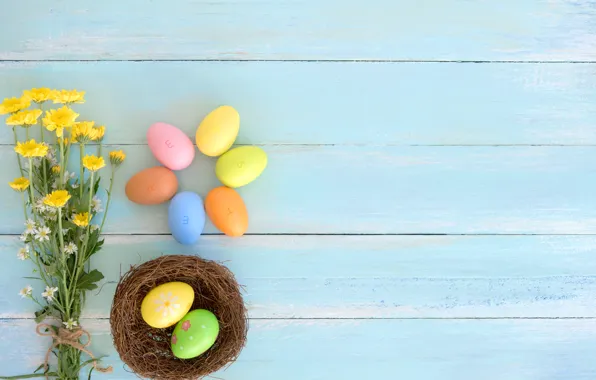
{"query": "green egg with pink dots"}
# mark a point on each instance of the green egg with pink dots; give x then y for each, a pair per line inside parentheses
(194, 334)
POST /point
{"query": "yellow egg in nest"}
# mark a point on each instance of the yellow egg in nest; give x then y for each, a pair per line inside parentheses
(167, 304)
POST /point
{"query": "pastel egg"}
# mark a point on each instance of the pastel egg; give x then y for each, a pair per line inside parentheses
(170, 146)
(166, 304)
(186, 217)
(218, 131)
(227, 211)
(152, 186)
(240, 166)
(194, 334)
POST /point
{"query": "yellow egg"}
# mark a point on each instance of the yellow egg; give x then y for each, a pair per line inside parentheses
(167, 304)
(218, 130)
(240, 166)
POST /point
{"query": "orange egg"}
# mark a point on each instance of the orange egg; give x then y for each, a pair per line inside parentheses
(227, 211)
(152, 186)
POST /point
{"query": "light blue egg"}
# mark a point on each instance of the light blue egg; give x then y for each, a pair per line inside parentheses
(186, 217)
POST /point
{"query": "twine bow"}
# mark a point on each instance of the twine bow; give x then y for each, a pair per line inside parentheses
(69, 338)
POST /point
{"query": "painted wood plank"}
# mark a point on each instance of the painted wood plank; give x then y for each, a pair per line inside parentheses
(383, 349)
(379, 190)
(362, 276)
(308, 29)
(332, 103)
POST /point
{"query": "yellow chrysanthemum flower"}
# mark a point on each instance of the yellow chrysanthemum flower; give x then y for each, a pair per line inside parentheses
(31, 149)
(56, 169)
(56, 198)
(83, 132)
(99, 132)
(63, 140)
(12, 105)
(25, 118)
(82, 219)
(117, 157)
(19, 184)
(38, 95)
(59, 119)
(93, 163)
(68, 96)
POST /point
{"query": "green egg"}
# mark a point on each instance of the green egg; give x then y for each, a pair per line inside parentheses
(194, 334)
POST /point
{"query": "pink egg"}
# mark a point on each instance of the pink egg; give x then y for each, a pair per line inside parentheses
(170, 146)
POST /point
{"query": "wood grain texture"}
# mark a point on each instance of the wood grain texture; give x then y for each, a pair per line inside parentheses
(351, 350)
(332, 103)
(362, 276)
(378, 190)
(306, 29)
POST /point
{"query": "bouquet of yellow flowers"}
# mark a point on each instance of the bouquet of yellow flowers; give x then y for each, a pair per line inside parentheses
(62, 225)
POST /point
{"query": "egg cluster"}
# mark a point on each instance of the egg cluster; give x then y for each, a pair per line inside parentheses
(169, 304)
(175, 151)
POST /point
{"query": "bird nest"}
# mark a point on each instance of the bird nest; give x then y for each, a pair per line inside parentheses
(146, 350)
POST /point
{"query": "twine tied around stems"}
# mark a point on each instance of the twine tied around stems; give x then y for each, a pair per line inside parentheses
(69, 338)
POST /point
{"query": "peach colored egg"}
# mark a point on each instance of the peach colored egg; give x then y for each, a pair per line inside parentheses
(152, 186)
(227, 211)
(172, 148)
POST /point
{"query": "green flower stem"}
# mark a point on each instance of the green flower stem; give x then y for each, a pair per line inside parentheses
(41, 124)
(82, 174)
(16, 140)
(24, 204)
(31, 376)
(61, 184)
(105, 212)
(63, 254)
(44, 167)
(81, 257)
(30, 188)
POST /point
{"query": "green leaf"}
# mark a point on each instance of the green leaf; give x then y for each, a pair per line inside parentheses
(40, 315)
(88, 281)
(67, 224)
(40, 367)
(32, 278)
(96, 185)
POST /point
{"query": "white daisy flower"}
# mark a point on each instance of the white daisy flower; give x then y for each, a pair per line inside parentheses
(68, 176)
(29, 227)
(43, 234)
(70, 324)
(26, 291)
(23, 253)
(96, 204)
(49, 293)
(40, 206)
(65, 231)
(70, 248)
(93, 227)
(75, 185)
(24, 237)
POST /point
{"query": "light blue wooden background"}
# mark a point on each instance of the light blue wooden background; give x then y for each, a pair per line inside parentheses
(429, 210)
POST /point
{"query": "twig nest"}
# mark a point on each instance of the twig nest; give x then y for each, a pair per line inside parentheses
(146, 350)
